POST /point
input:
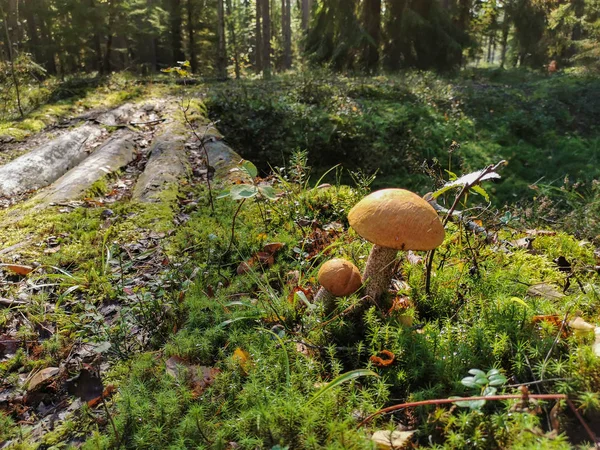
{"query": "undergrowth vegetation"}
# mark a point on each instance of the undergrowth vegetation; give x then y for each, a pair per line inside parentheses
(200, 321)
(405, 125)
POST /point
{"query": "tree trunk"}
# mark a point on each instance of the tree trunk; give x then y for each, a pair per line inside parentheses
(106, 65)
(97, 62)
(286, 31)
(48, 47)
(33, 34)
(505, 30)
(232, 35)
(11, 57)
(175, 22)
(258, 50)
(12, 27)
(372, 25)
(191, 21)
(266, 35)
(305, 14)
(222, 49)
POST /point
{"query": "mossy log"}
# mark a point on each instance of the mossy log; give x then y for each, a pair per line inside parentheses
(225, 162)
(166, 164)
(45, 164)
(117, 152)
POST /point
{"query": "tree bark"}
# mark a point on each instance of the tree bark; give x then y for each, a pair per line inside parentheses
(372, 24)
(505, 30)
(11, 57)
(234, 43)
(49, 51)
(106, 65)
(97, 60)
(258, 50)
(176, 44)
(191, 21)
(12, 24)
(306, 5)
(266, 36)
(222, 48)
(33, 33)
(286, 31)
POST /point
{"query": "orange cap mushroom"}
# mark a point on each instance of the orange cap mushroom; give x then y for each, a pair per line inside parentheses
(393, 219)
(338, 278)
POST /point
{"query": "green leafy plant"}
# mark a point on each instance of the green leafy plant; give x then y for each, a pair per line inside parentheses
(486, 384)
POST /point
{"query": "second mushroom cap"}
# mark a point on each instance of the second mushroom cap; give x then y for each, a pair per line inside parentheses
(339, 277)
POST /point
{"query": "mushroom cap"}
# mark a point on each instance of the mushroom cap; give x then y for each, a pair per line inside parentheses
(397, 218)
(339, 277)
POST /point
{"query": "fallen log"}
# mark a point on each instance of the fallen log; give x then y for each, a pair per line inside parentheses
(45, 164)
(117, 152)
(166, 164)
(226, 163)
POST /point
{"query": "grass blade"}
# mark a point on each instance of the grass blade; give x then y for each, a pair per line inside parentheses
(343, 378)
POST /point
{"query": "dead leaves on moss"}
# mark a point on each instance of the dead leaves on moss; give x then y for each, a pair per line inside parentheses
(197, 378)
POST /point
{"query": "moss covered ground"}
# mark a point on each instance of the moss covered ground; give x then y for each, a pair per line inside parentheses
(184, 327)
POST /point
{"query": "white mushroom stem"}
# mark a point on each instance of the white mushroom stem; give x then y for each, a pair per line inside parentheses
(325, 297)
(378, 272)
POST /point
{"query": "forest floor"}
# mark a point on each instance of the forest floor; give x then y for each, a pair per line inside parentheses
(167, 302)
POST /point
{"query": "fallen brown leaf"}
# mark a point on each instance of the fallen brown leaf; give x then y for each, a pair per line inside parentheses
(42, 376)
(17, 268)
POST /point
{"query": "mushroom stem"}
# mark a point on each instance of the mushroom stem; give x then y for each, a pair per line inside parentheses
(378, 272)
(325, 297)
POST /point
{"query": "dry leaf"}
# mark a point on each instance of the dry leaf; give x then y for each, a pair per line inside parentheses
(273, 247)
(580, 326)
(544, 290)
(242, 358)
(383, 359)
(177, 366)
(203, 378)
(540, 233)
(41, 377)
(395, 440)
(17, 268)
(554, 320)
(413, 258)
(110, 390)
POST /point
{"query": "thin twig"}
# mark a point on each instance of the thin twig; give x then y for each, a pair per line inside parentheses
(233, 227)
(441, 401)
(489, 169)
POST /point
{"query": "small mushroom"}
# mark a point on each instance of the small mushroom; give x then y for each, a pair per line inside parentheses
(338, 278)
(393, 219)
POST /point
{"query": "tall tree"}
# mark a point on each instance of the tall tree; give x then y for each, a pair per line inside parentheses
(372, 26)
(305, 10)
(191, 22)
(176, 34)
(221, 44)
(266, 38)
(286, 31)
(231, 19)
(258, 46)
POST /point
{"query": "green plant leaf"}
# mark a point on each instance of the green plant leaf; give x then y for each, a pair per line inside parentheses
(469, 382)
(343, 378)
(481, 191)
(249, 168)
(477, 372)
(268, 192)
(489, 390)
(497, 380)
(440, 191)
(241, 191)
(519, 301)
